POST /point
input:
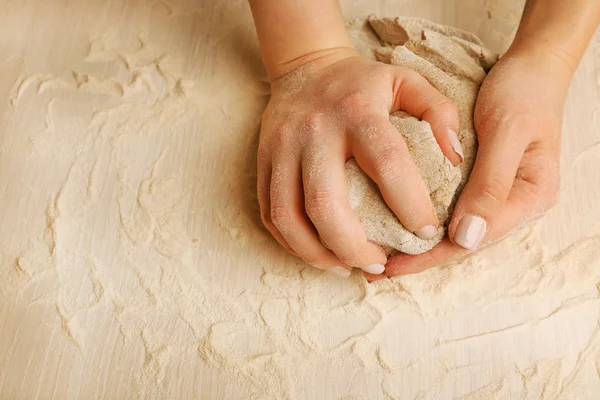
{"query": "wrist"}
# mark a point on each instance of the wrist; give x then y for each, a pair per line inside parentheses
(557, 31)
(547, 62)
(552, 55)
(315, 60)
(292, 33)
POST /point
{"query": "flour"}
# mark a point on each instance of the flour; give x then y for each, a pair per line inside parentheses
(454, 62)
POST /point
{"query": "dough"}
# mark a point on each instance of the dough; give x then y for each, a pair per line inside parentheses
(455, 63)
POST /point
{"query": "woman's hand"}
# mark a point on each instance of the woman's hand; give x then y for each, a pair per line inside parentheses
(518, 120)
(516, 176)
(321, 114)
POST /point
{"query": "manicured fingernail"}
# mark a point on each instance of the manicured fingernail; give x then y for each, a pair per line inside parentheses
(427, 232)
(374, 269)
(471, 229)
(455, 143)
(339, 271)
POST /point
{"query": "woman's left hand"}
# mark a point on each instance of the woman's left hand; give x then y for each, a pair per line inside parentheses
(516, 176)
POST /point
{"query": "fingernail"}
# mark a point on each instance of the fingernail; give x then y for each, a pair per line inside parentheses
(471, 229)
(455, 143)
(339, 271)
(374, 269)
(427, 232)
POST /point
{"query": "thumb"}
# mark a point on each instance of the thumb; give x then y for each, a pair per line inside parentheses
(483, 201)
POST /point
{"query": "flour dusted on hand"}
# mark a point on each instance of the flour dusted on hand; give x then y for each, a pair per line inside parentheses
(455, 63)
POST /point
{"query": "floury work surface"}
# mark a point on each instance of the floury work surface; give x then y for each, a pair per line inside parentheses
(133, 264)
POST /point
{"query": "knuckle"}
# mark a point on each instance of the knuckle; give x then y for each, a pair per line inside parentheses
(353, 100)
(448, 106)
(387, 162)
(490, 193)
(349, 257)
(283, 134)
(441, 103)
(319, 204)
(313, 121)
(313, 125)
(412, 221)
(281, 217)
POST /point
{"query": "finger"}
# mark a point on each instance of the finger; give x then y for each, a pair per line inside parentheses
(374, 278)
(263, 188)
(288, 216)
(517, 210)
(326, 194)
(533, 192)
(415, 95)
(511, 215)
(405, 264)
(382, 153)
(446, 252)
(480, 205)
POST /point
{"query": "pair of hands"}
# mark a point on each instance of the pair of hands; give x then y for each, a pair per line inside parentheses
(338, 107)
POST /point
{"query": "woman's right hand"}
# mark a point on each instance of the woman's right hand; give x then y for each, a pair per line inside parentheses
(321, 114)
